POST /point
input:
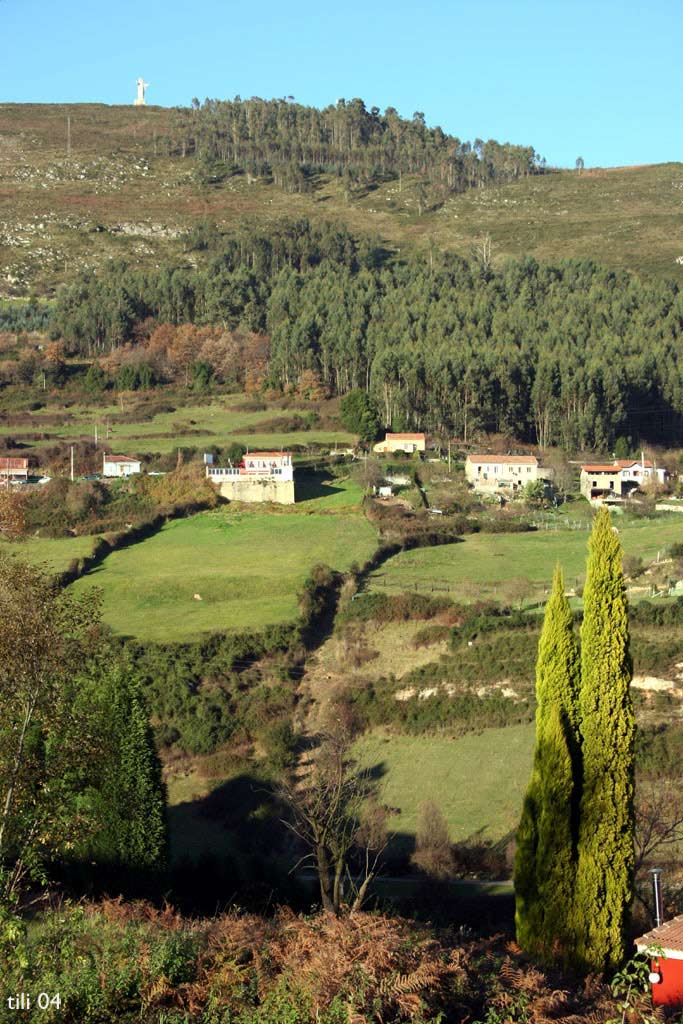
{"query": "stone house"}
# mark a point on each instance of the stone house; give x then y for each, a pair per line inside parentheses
(502, 473)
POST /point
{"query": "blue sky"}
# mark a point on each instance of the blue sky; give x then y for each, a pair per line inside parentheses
(598, 79)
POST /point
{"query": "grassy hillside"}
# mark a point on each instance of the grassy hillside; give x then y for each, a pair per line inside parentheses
(483, 564)
(120, 195)
(412, 769)
(247, 569)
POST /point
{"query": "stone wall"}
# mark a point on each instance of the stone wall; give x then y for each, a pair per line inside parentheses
(241, 489)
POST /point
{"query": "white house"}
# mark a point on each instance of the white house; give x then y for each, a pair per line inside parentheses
(400, 443)
(260, 476)
(119, 465)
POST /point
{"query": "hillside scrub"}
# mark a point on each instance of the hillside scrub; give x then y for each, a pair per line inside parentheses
(120, 963)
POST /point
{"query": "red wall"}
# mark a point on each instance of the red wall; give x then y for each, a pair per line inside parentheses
(669, 991)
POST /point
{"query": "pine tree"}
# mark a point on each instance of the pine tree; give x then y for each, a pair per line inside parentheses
(544, 863)
(604, 881)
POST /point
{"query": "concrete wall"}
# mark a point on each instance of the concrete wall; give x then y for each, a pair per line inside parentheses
(246, 489)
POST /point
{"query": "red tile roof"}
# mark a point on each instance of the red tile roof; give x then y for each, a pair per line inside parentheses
(119, 458)
(609, 468)
(668, 935)
(266, 455)
(626, 463)
(11, 462)
(505, 460)
(405, 437)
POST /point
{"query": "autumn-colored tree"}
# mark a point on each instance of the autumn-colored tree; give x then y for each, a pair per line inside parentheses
(12, 514)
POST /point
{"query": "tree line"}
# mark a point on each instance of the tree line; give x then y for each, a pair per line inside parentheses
(289, 143)
(571, 354)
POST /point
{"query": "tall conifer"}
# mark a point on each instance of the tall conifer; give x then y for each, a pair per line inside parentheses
(604, 881)
(544, 864)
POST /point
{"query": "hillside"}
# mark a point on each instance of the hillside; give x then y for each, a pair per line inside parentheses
(120, 194)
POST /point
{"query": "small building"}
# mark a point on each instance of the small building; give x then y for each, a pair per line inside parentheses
(666, 975)
(640, 471)
(409, 443)
(601, 482)
(611, 482)
(119, 465)
(501, 473)
(260, 476)
(12, 468)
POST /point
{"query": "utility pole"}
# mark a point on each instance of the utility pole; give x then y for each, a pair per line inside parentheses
(96, 435)
(68, 137)
(72, 463)
(449, 456)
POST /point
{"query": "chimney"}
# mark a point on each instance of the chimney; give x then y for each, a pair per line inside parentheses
(657, 894)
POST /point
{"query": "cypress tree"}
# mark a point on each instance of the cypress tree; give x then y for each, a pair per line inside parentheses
(544, 862)
(127, 795)
(604, 880)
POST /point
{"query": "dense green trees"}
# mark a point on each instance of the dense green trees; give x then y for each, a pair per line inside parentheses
(544, 864)
(574, 864)
(571, 355)
(125, 794)
(290, 143)
(358, 415)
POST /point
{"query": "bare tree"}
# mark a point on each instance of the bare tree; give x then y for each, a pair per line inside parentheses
(332, 815)
(482, 253)
(659, 819)
(433, 852)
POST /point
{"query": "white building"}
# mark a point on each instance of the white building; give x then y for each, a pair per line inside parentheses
(260, 476)
(119, 465)
(489, 473)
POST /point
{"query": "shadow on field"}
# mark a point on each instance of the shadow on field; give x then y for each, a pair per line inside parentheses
(314, 486)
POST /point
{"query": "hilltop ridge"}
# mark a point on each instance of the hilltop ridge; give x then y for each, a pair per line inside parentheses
(126, 191)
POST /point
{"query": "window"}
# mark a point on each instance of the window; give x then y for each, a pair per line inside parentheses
(611, 485)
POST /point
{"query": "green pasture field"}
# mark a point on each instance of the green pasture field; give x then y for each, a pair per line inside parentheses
(217, 421)
(320, 493)
(477, 781)
(481, 564)
(52, 555)
(247, 568)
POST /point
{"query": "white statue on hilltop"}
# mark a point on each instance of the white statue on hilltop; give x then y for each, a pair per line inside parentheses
(140, 98)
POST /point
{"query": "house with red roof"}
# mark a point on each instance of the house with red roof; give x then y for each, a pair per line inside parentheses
(666, 974)
(409, 443)
(13, 468)
(119, 465)
(611, 482)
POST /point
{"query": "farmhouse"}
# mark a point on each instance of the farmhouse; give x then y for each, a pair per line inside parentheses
(401, 443)
(13, 468)
(260, 476)
(614, 481)
(489, 473)
(119, 465)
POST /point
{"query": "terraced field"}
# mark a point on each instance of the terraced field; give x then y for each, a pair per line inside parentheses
(222, 571)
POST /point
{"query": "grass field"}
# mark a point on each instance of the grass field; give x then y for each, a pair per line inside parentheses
(246, 567)
(52, 555)
(478, 781)
(482, 563)
(215, 421)
(61, 216)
